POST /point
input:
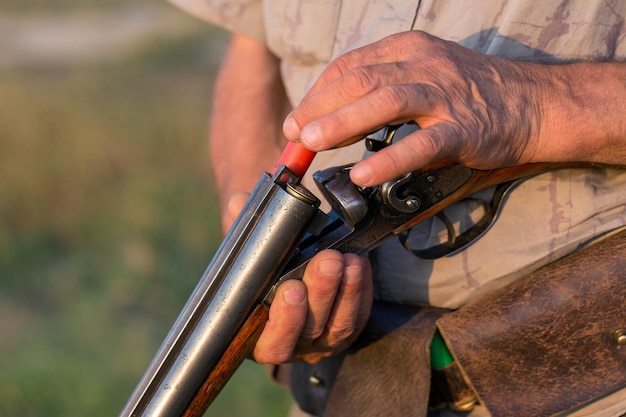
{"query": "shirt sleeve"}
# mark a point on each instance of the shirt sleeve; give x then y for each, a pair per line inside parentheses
(239, 16)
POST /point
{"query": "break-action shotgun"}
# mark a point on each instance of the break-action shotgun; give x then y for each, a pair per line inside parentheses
(278, 231)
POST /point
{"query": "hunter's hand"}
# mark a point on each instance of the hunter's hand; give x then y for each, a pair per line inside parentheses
(319, 316)
(479, 110)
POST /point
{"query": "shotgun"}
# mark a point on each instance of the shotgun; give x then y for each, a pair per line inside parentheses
(279, 230)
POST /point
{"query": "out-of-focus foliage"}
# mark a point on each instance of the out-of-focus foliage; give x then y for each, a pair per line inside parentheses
(61, 6)
(108, 218)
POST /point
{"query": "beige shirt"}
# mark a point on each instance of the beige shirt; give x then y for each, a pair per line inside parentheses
(545, 217)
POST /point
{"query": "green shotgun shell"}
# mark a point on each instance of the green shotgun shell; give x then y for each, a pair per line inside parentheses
(440, 356)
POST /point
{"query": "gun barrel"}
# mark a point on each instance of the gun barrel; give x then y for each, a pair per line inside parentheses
(244, 269)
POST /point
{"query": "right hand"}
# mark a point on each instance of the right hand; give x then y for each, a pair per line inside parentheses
(479, 110)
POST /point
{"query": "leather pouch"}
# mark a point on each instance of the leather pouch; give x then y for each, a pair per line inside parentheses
(385, 373)
(551, 341)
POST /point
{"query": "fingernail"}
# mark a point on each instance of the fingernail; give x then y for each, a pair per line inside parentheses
(312, 136)
(330, 268)
(294, 296)
(361, 174)
(291, 130)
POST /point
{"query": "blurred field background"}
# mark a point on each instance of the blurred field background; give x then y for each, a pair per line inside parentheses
(107, 211)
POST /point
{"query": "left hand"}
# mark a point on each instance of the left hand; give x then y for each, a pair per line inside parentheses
(479, 110)
(322, 314)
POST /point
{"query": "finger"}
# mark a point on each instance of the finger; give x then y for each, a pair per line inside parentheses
(413, 152)
(352, 304)
(415, 45)
(392, 104)
(287, 317)
(359, 72)
(322, 278)
(383, 51)
(351, 86)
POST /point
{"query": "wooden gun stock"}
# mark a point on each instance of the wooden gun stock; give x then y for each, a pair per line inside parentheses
(240, 348)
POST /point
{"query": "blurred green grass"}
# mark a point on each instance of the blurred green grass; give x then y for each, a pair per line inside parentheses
(59, 6)
(108, 218)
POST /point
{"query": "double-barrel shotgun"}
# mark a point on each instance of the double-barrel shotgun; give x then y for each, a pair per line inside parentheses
(278, 231)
